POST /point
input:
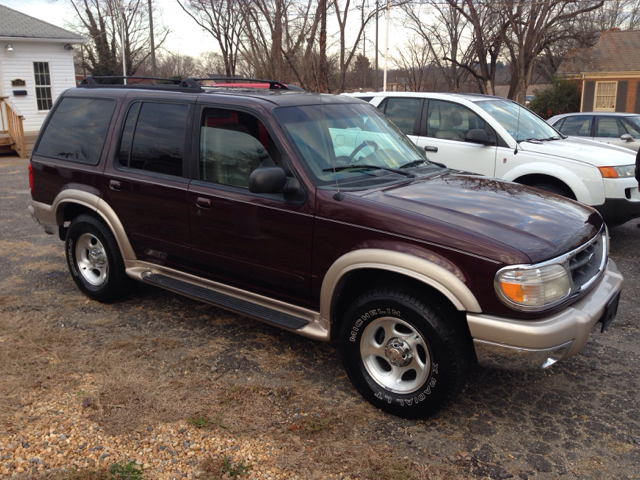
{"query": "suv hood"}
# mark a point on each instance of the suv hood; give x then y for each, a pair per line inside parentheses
(583, 150)
(540, 225)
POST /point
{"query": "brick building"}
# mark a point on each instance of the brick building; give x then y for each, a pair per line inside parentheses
(609, 72)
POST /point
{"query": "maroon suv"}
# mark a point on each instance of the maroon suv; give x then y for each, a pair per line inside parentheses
(316, 214)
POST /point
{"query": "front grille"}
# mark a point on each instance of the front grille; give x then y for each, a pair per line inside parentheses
(586, 264)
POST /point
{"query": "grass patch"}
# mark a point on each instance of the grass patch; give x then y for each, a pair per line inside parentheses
(200, 422)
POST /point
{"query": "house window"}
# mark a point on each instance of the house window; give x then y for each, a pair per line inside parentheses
(43, 85)
(605, 96)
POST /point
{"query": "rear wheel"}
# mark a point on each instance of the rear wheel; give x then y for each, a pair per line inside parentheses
(402, 354)
(94, 259)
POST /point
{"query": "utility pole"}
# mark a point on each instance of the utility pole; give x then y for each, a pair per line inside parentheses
(123, 23)
(153, 46)
(386, 51)
(376, 46)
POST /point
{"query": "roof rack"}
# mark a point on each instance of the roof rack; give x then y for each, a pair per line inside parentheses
(141, 82)
(273, 85)
(190, 84)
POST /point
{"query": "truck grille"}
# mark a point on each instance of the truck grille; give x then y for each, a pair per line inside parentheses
(587, 263)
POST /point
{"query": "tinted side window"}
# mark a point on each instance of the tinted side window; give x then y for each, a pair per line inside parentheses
(579, 126)
(232, 145)
(403, 112)
(610, 127)
(157, 142)
(77, 130)
(451, 121)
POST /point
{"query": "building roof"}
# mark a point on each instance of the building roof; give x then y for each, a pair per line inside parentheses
(18, 26)
(615, 51)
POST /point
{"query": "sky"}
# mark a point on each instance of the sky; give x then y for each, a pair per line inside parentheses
(186, 36)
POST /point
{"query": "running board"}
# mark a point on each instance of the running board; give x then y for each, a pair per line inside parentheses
(228, 302)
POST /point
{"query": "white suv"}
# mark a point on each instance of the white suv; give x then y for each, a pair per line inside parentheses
(500, 138)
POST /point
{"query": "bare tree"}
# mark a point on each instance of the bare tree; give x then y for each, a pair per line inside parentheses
(103, 23)
(415, 63)
(224, 20)
(446, 35)
(176, 65)
(534, 25)
(280, 36)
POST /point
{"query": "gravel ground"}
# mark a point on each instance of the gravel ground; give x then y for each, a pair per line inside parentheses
(179, 388)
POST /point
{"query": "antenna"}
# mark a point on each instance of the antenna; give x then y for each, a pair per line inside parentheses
(515, 152)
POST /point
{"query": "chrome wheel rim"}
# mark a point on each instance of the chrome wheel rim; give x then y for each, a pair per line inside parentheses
(395, 355)
(92, 260)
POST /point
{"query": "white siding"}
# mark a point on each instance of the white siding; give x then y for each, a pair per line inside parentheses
(19, 64)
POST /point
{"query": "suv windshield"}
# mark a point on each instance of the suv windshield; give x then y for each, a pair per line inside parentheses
(520, 122)
(354, 139)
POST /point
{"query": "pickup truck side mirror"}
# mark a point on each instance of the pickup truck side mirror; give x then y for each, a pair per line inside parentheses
(272, 180)
(478, 135)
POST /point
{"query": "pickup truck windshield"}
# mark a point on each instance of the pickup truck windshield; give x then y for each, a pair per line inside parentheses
(342, 135)
(520, 122)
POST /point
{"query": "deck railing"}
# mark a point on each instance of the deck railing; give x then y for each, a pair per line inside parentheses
(12, 125)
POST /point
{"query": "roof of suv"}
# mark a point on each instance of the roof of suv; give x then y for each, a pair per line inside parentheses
(278, 95)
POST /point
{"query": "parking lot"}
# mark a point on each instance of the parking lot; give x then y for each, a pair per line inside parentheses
(181, 387)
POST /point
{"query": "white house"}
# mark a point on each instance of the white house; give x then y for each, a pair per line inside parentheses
(36, 66)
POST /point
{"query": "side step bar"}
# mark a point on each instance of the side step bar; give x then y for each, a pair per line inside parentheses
(228, 302)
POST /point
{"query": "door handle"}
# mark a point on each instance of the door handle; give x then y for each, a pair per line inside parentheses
(203, 202)
(431, 149)
(115, 185)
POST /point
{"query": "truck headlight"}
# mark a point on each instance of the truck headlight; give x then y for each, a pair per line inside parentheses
(532, 288)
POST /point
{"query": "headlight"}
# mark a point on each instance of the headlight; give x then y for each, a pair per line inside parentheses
(617, 172)
(532, 288)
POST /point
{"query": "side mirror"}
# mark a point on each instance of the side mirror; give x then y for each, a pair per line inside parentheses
(478, 135)
(272, 180)
(627, 137)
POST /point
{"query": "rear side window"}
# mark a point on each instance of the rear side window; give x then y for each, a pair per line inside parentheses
(77, 130)
(153, 137)
(579, 126)
(404, 112)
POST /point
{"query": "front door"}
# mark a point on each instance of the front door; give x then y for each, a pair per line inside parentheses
(443, 134)
(258, 242)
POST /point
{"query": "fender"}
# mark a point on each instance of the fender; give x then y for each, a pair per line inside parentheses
(422, 270)
(50, 215)
(588, 187)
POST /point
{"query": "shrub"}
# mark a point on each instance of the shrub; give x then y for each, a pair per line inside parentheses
(562, 97)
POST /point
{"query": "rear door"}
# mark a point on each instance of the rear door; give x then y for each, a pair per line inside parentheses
(258, 242)
(405, 113)
(147, 181)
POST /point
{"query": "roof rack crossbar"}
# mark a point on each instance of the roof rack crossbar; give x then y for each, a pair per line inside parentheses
(273, 85)
(91, 80)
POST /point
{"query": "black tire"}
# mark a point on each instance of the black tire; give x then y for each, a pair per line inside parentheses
(553, 188)
(94, 260)
(439, 358)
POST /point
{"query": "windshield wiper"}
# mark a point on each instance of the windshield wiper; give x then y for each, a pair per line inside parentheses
(368, 167)
(418, 162)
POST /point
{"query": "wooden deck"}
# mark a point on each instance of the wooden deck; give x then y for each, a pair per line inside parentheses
(12, 135)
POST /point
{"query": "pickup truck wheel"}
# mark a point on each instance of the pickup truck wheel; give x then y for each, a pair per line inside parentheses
(94, 259)
(401, 353)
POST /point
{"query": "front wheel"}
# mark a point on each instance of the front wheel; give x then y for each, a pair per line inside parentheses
(402, 354)
(94, 259)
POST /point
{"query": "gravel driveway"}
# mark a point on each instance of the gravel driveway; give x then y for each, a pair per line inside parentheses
(186, 389)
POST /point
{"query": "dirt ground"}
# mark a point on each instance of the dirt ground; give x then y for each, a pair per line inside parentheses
(185, 389)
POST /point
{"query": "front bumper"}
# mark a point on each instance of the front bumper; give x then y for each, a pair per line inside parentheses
(512, 344)
(622, 201)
